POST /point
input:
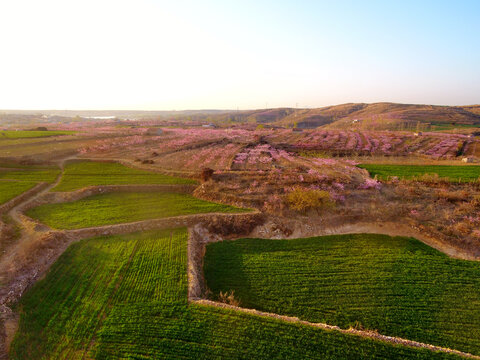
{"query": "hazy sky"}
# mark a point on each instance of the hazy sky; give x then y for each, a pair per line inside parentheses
(153, 54)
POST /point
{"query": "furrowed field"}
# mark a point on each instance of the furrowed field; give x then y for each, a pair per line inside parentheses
(114, 208)
(88, 173)
(398, 286)
(451, 172)
(125, 297)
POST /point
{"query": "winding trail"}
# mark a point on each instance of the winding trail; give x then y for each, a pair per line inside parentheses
(196, 243)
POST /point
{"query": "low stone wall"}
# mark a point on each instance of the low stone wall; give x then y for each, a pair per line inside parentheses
(198, 238)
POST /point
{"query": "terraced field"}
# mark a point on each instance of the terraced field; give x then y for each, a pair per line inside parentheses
(21, 134)
(453, 173)
(11, 189)
(30, 174)
(398, 286)
(114, 208)
(14, 182)
(89, 173)
(125, 297)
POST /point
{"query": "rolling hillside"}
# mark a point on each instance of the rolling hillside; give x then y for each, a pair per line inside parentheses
(383, 116)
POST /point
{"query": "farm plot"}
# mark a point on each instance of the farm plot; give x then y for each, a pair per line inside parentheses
(23, 134)
(35, 175)
(11, 189)
(14, 182)
(114, 208)
(398, 286)
(125, 297)
(466, 173)
(89, 173)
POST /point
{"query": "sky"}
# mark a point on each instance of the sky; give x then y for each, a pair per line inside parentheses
(248, 54)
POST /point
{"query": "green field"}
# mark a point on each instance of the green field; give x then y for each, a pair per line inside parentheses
(114, 208)
(125, 297)
(465, 173)
(88, 173)
(398, 286)
(30, 174)
(13, 181)
(21, 134)
(11, 189)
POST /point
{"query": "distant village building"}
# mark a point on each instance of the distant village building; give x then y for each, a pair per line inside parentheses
(297, 130)
(468, 159)
(355, 121)
(211, 126)
(418, 133)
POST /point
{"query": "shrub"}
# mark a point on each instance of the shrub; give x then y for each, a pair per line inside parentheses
(206, 174)
(274, 204)
(370, 184)
(228, 298)
(304, 199)
(430, 178)
(453, 196)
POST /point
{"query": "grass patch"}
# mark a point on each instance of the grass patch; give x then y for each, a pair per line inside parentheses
(88, 173)
(22, 134)
(125, 297)
(11, 189)
(467, 173)
(398, 286)
(114, 208)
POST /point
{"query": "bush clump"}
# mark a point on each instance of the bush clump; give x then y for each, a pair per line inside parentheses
(306, 199)
(206, 174)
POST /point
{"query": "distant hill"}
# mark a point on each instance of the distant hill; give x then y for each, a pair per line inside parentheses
(375, 116)
(384, 116)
